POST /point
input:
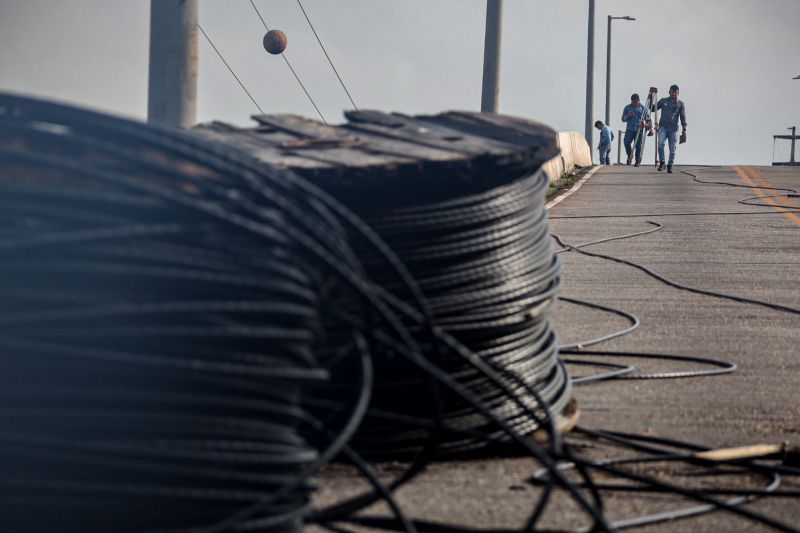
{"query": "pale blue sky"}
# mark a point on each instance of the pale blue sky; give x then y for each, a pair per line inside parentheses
(734, 60)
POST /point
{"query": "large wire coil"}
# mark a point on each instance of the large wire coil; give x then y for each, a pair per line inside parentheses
(156, 334)
(192, 301)
(485, 265)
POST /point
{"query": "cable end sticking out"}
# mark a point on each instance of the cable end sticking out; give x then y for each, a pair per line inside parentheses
(791, 455)
(756, 451)
(788, 453)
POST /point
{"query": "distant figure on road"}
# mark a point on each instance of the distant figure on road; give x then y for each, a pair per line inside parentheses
(636, 115)
(606, 136)
(672, 109)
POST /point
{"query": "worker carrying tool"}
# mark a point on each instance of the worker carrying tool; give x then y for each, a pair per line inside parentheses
(672, 110)
(636, 116)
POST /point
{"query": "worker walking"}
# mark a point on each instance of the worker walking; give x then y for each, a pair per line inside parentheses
(672, 110)
(606, 136)
(636, 116)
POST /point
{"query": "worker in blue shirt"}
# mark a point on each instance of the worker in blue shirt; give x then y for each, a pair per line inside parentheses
(606, 136)
(672, 112)
(637, 116)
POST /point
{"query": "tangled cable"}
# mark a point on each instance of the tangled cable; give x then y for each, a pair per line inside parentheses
(188, 335)
(484, 264)
(188, 295)
(665, 451)
(158, 327)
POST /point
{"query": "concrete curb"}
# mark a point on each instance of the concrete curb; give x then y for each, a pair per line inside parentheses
(574, 152)
(573, 189)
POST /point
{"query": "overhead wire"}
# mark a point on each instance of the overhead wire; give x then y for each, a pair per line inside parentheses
(328, 57)
(288, 64)
(219, 54)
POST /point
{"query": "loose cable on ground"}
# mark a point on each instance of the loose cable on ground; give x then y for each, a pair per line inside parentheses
(235, 201)
(176, 236)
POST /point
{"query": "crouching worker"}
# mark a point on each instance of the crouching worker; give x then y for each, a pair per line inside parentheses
(606, 136)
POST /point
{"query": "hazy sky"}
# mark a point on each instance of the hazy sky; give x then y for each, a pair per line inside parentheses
(734, 60)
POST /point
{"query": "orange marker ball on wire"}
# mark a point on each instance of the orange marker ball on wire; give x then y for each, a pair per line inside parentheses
(275, 42)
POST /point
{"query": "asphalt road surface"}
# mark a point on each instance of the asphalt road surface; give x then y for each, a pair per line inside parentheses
(729, 230)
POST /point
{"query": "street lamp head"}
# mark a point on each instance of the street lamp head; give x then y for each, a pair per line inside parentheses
(629, 18)
(796, 78)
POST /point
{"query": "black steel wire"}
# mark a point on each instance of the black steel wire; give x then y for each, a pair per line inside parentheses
(461, 302)
(693, 173)
(716, 294)
(176, 304)
(651, 484)
(634, 441)
(488, 274)
(215, 209)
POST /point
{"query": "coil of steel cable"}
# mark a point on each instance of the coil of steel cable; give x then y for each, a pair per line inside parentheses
(156, 335)
(484, 263)
(169, 303)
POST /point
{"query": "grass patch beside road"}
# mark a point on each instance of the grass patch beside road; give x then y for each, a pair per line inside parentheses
(564, 184)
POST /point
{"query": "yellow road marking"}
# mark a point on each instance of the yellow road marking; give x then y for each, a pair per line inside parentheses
(789, 214)
(782, 199)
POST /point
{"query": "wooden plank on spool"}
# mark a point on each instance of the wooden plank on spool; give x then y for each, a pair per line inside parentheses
(361, 141)
(261, 147)
(373, 146)
(430, 134)
(525, 134)
(299, 126)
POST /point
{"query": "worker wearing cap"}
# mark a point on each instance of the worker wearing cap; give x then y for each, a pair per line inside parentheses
(637, 116)
(672, 111)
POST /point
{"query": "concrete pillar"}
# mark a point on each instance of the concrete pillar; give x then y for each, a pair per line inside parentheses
(172, 84)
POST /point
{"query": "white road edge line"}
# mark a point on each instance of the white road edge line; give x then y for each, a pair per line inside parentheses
(574, 188)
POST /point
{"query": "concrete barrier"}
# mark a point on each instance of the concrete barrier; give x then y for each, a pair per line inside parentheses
(575, 153)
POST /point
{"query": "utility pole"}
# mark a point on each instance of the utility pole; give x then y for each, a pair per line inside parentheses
(490, 96)
(608, 65)
(172, 84)
(590, 75)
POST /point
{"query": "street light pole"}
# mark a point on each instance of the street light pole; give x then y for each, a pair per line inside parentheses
(590, 75)
(794, 138)
(608, 71)
(490, 95)
(608, 66)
